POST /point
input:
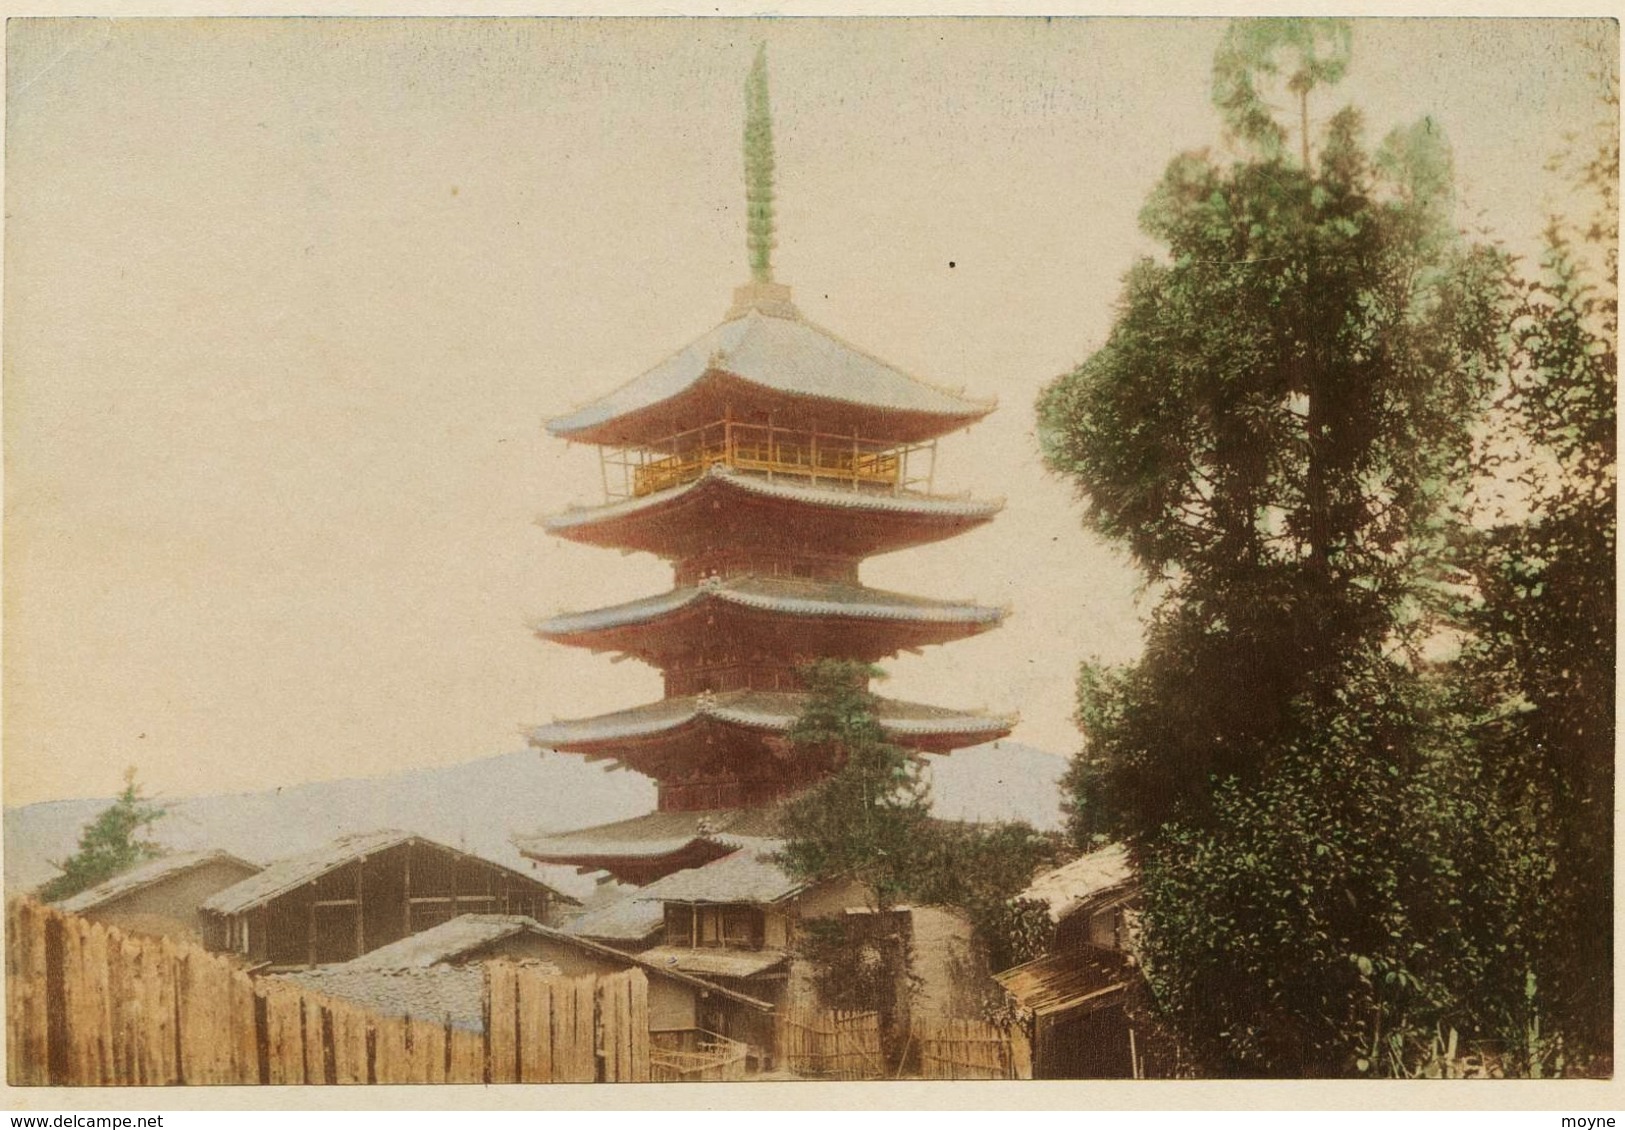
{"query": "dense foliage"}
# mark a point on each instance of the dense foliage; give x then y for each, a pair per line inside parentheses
(1346, 844)
(108, 845)
(1543, 624)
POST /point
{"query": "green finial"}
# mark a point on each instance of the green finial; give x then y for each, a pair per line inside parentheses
(759, 170)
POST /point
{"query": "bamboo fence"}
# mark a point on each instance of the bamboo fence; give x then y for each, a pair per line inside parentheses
(87, 1005)
(831, 1044)
(970, 1049)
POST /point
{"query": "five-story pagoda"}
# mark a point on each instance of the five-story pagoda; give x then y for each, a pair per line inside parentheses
(765, 461)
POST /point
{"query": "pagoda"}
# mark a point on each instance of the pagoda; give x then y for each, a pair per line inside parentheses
(765, 461)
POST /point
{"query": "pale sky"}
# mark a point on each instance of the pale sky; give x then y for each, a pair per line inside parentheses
(287, 302)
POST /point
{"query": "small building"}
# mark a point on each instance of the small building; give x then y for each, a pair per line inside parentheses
(362, 892)
(1078, 995)
(736, 921)
(162, 896)
(1091, 900)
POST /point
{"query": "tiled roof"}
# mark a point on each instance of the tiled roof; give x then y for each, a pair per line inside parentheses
(627, 919)
(761, 710)
(783, 595)
(651, 835)
(445, 942)
(146, 874)
(747, 876)
(915, 504)
(786, 355)
(1059, 982)
(440, 993)
(1071, 885)
(715, 962)
(286, 874)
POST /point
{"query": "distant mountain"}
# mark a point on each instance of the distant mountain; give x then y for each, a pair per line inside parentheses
(478, 805)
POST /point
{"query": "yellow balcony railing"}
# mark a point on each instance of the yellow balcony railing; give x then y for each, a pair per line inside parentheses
(815, 457)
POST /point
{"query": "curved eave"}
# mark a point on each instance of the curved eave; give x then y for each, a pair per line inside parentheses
(657, 725)
(781, 364)
(658, 523)
(888, 621)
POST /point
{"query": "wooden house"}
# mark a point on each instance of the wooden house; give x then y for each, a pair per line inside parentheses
(163, 896)
(362, 892)
(1078, 995)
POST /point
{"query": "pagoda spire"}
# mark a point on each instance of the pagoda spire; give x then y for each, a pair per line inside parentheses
(759, 170)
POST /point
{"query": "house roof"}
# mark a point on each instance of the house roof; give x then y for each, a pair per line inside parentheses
(627, 919)
(787, 596)
(438, 947)
(760, 710)
(1074, 884)
(925, 506)
(777, 354)
(652, 835)
(440, 993)
(747, 876)
(145, 875)
(1060, 982)
(286, 874)
(445, 942)
(716, 962)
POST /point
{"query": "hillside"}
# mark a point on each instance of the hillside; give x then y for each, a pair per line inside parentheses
(480, 804)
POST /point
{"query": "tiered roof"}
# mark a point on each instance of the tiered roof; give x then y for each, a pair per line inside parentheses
(830, 608)
(695, 516)
(761, 363)
(930, 728)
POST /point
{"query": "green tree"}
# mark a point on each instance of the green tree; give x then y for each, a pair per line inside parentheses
(1277, 428)
(870, 820)
(110, 844)
(867, 819)
(1544, 621)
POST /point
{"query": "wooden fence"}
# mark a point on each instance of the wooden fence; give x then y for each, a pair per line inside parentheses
(87, 1005)
(971, 1049)
(830, 1044)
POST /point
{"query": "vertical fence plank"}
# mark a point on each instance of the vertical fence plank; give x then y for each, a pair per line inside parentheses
(585, 1058)
(501, 1022)
(534, 999)
(640, 1026)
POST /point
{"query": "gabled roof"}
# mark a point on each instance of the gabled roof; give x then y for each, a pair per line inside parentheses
(773, 711)
(777, 354)
(441, 993)
(652, 835)
(747, 876)
(1086, 976)
(295, 871)
(445, 943)
(783, 595)
(1072, 885)
(146, 874)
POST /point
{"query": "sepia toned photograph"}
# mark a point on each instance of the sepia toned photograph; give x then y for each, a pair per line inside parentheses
(671, 550)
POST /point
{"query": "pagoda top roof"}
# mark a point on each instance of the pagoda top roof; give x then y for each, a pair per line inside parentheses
(784, 595)
(773, 711)
(768, 347)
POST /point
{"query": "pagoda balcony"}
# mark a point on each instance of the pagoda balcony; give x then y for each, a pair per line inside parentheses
(813, 458)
